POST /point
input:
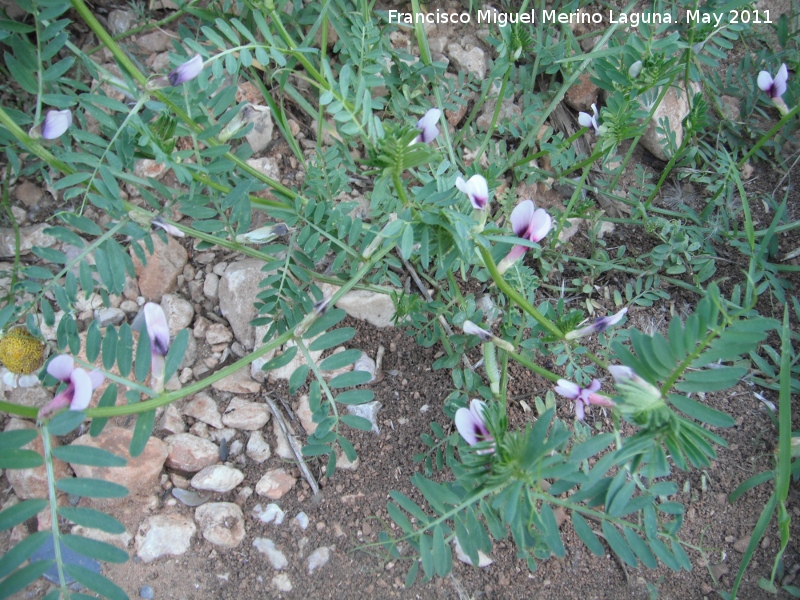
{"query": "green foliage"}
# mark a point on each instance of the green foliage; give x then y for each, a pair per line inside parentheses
(374, 206)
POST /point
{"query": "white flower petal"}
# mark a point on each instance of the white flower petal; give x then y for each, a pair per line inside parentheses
(568, 389)
(186, 71)
(27, 381)
(96, 378)
(10, 379)
(56, 124)
(428, 125)
(521, 217)
(764, 81)
(157, 328)
(779, 84)
(82, 393)
(540, 225)
(471, 329)
(61, 367)
(466, 425)
(621, 373)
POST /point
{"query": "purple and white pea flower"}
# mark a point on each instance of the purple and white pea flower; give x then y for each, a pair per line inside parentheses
(80, 386)
(476, 189)
(486, 336)
(583, 397)
(529, 223)
(262, 235)
(158, 332)
(186, 71)
(168, 227)
(597, 326)
(471, 424)
(775, 87)
(590, 121)
(428, 126)
(55, 124)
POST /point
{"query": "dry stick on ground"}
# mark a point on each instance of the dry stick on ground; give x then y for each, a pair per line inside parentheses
(410, 268)
(290, 436)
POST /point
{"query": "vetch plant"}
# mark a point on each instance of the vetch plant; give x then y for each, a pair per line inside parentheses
(404, 227)
(583, 397)
(476, 190)
(55, 124)
(530, 224)
(158, 332)
(186, 71)
(590, 120)
(168, 227)
(429, 126)
(597, 326)
(471, 328)
(471, 424)
(775, 87)
(79, 386)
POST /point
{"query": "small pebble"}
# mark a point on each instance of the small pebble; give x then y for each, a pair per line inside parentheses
(302, 520)
(147, 592)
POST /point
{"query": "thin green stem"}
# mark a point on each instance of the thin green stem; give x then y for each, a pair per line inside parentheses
(516, 296)
(496, 114)
(154, 25)
(784, 413)
(635, 142)
(534, 367)
(767, 136)
(399, 188)
(427, 60)
(126, 63)
(15, 226)
(665, 173)
(318, 375)
(134, 111)
(39, 66)
(541, 153)
(572, 201)
(53, 499)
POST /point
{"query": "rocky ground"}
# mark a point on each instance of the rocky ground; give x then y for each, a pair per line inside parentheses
(219, 506)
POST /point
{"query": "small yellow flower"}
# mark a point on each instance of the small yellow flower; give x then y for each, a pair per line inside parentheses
(20, 352)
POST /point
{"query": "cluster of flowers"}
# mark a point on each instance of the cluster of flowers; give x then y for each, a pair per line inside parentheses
(56, 122)
(774, 86)
(532, 224)
(80, 384)
(471, 422)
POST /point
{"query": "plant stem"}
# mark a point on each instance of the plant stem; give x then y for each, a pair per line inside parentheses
(87, 15)
(498, 105)
(398, 186)
(53, 500)
(516, 296)
(534, 367)
(767, 136)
